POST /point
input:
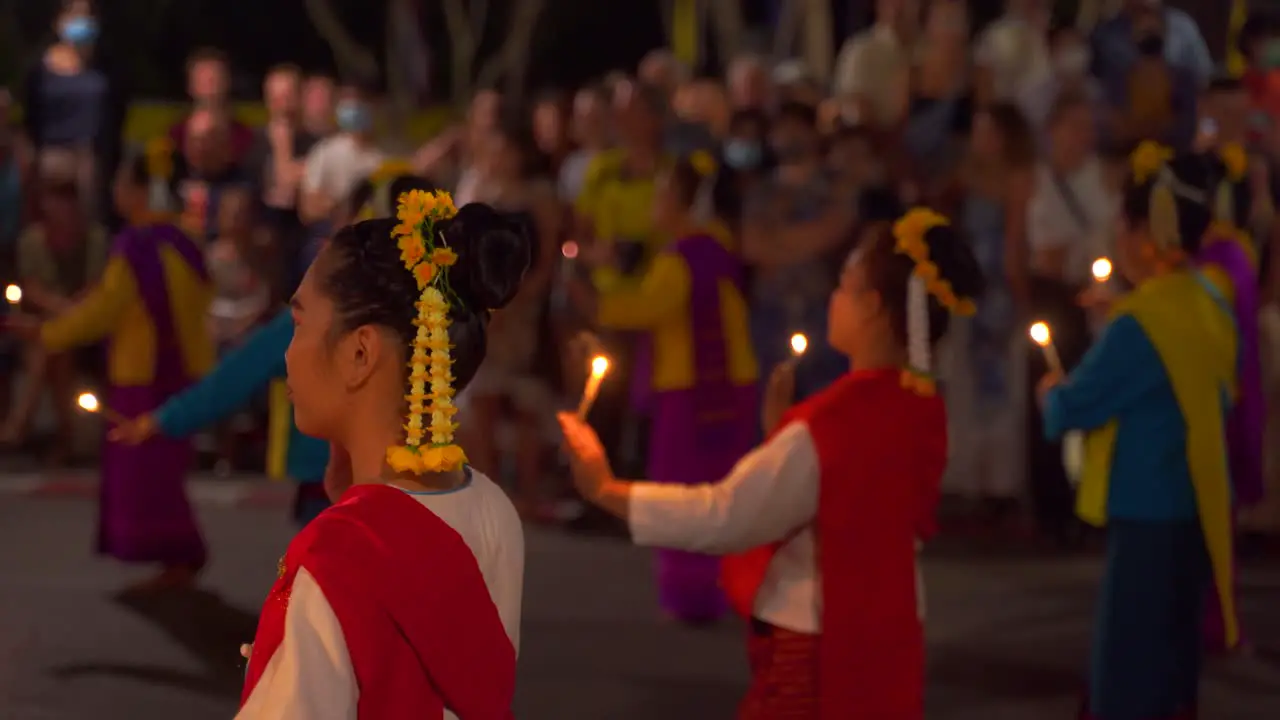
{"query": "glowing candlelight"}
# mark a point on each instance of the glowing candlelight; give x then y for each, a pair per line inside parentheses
(1102, 269)
(13, 294)
(89, 403)
(569, 250)
(1041, 336)
(599, 368)
(799, 343)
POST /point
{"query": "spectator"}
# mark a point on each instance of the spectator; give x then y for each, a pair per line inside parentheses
(792, 228)
(276, 166)
(551, 127)
(209, 85)
(746, 148)
(854, 164)
(873, 66)
(208, 169)
(1154, 98)
(318, 93)
(468, 147)
(59, 256)
(661, 70)
(749, 86)
(794, 82)
(941, 97)
(241, 291)
(74, 101)
(13, 166)
(1012, 53)
(985, 395)
(1117, 42)
(339, 162)
(1069, 61)
(589, 129)
(698, 118)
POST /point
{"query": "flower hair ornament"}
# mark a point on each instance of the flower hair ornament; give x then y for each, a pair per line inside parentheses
(429, 426)
(1149, 163)
(909, 239)
(379, 202)
(1225, 226)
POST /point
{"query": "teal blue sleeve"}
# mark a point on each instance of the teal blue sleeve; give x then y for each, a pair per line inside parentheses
(240, 375)
(1120, 368)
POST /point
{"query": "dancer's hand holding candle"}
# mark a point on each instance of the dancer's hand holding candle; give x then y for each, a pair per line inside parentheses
(599, 368)
(589, 465)
(779, 395)
(1041, 336)
(89, 403)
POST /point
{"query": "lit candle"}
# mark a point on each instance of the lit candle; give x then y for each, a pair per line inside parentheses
(599, 367)
(13, 294)
(89, 403)
(1041, 336)
(1102, 269)
(799, 343)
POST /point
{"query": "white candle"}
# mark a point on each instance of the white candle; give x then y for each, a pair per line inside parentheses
(13, 294)
(599, 367)
(799, 343)
(89, 403)
(1041, 336)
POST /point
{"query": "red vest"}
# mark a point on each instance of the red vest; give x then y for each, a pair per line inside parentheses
(882, 450)
(422, 632)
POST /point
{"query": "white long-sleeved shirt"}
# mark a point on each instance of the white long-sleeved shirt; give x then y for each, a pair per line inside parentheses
(310, 676)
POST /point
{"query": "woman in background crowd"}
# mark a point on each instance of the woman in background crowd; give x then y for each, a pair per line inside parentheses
(985, 388)
(59, 255)
(589, 130)
(508, 385)
(549, 117)
(941, 92)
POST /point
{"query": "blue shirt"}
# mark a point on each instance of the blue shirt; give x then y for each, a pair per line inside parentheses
(242, 373)
(1114, 48)
(1122, 378)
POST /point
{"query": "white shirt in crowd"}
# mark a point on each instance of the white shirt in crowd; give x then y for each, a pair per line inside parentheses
(310, 676)
(1016, 55)
(875, 65)
(1077, 212)
(768, 494)
(337, 164)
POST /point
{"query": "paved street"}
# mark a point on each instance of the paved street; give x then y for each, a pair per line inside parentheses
(1007, 633)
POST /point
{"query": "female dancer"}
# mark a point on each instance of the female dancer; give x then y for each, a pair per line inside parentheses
(1154, 393)
(1229, 257)
(151, 304)
(704, 372)
(836, 499)
(249, 369)
(403, 599)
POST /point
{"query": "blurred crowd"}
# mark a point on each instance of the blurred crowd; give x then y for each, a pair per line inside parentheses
(1017, 130)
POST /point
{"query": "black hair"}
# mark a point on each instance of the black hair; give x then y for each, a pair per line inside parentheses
(516, 128)
(1224, 84)
(369, 285)
(749, 116)
(1195, 176)
(889, 274)
(800, 112)
(1239, 189)
(1260, 25)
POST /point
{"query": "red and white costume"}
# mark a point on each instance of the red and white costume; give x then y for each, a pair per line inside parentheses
(826, 516)
(393, 605)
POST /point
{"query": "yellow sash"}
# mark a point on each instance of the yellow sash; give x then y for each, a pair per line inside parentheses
(1196, 340)
(279, 426)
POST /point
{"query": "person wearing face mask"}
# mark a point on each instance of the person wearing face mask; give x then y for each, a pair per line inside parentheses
(744, 146)
(1069, 73)
(74, 101)
(337, 163)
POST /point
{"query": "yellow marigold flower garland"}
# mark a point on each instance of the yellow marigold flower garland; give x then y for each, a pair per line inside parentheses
(1235, 159)
(909, 232)
(429, 426)
(1148, 160)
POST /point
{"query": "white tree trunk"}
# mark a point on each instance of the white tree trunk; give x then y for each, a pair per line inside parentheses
(466, 20)
(353, 60)
(512, 59)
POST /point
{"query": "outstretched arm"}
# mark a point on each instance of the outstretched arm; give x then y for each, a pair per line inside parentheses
(769, 494)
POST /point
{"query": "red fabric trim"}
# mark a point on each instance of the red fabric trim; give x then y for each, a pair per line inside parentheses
(421, 629)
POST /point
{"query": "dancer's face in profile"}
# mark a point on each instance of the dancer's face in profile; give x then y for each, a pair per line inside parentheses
(855, 311)
(332, 371)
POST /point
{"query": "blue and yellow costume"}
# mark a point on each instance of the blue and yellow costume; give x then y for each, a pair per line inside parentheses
(1153, 394)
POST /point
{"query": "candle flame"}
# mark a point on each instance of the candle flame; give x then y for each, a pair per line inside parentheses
(599, 366)
(1040, 334)
(1102, 269)
(13, 294)
(799, 343)
(88, 402)
(569, 249)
